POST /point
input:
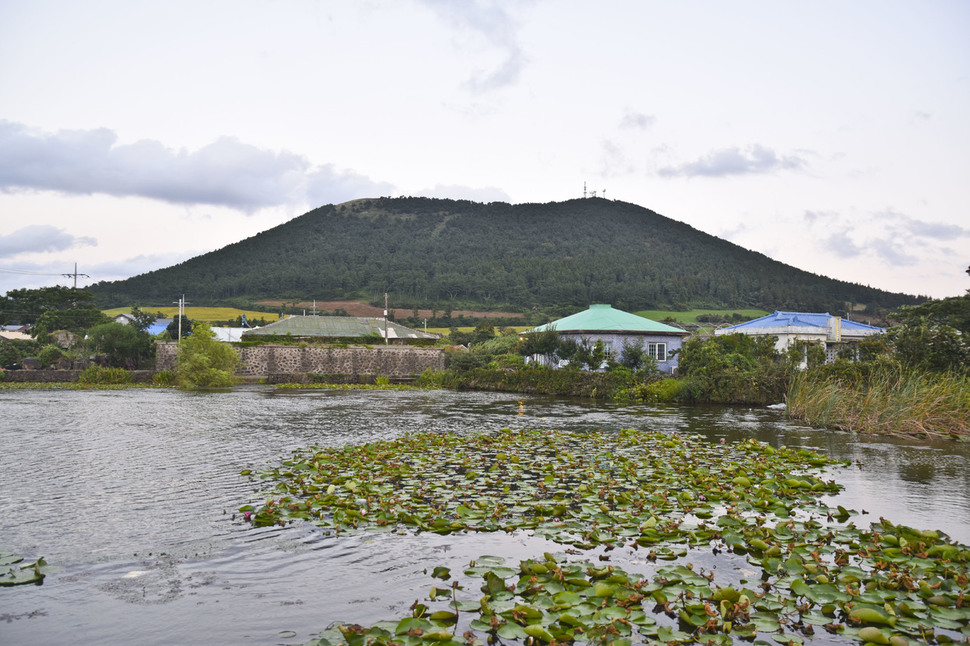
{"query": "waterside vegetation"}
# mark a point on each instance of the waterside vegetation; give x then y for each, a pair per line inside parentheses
(642, 497)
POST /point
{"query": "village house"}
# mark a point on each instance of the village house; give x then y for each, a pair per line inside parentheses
(616, 329)
(788, 328)
(339, 327)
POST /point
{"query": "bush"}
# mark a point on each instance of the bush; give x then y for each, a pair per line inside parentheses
(98, 375)
(49, 355)
(664, 390)
(120, 345)
(204, 362)
(13, 350)
(164, 378)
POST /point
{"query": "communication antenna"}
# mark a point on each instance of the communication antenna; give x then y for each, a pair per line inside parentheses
(584, 195)
(75, 275)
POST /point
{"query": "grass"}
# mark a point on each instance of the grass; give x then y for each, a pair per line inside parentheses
(690, 316)
(889, 402)
(204, 314)
(447, 330)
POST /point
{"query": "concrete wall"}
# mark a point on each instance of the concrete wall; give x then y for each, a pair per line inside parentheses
(271, 359)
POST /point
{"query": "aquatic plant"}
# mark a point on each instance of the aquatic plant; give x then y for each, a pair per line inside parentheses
(100, 375)
(14, 571)
(665, 497)
(885, 400)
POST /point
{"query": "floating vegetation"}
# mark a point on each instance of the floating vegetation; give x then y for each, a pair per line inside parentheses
(327, 386)
(14, 571)
(663, 497)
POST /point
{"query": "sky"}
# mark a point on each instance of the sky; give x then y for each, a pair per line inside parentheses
(832, 136)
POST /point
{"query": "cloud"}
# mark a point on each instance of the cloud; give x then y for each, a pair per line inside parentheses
(40, 238)
(226, 172)
(842, 245)
(920, 229)
(752, 160)
(492, 22)
(636, 121)
(892, 252)
(818, 216)
(327, 185)
(615, 162)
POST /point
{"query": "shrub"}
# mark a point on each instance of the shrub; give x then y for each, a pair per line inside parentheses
(204, 362)
(98, 375)
(164, 378)
(664, 390)
(120, 345)
(49, 355)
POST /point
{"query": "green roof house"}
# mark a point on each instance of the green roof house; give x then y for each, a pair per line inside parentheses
(339, 327)
(617, 329)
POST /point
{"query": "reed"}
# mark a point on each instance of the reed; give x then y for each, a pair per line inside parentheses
(887, 401)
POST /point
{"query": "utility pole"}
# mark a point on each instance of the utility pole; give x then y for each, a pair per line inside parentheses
(385, 319)
(181, 304)
(75, 275)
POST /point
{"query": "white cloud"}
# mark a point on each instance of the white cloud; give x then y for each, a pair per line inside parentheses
(40, 238)
(494, 24)
(636, 121)
(752, 160)
(226, 172)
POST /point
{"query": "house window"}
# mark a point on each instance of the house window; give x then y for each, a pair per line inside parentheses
(608, 348)
(658, 351)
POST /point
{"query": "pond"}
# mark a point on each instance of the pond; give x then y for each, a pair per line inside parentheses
(132, 497)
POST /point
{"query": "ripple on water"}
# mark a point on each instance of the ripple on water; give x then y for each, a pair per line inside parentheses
(133, 496)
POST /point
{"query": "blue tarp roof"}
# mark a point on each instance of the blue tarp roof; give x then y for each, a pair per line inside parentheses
(799, 319)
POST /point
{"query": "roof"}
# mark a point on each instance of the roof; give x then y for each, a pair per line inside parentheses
(801, 320)
(229, 334)
(156, 328)
(15, 335)
(603, 318)
(338, 327)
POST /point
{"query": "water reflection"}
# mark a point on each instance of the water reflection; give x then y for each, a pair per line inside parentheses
(133, 495)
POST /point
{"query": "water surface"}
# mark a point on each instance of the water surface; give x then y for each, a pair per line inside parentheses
(132, 496)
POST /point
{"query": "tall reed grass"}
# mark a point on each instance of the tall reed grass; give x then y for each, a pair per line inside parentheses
(887, 401)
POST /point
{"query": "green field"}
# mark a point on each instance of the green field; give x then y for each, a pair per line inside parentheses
(690, 316)
(204, 314)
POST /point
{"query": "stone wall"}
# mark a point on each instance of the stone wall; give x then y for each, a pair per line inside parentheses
(272, 359)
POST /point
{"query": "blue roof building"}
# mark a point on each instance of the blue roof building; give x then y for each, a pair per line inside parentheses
(790, 327)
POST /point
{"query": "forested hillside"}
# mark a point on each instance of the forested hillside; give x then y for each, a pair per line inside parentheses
(429, 252)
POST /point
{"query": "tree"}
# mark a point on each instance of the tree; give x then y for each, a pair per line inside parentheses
(122, 346)
(203, 362)
(51, 308)
(635, 357)
(140, 319)
(934, 335)
(76, 320)
(25, 306)
(173, 327)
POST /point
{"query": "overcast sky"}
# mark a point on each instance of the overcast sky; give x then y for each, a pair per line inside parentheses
(833, 136)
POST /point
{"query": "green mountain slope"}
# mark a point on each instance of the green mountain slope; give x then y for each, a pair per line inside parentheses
(426, 252)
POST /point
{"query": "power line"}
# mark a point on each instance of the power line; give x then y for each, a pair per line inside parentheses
(27, 273)
(75, 274)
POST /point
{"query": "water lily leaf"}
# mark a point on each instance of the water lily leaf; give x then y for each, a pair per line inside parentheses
(443, 617)
(512, 630)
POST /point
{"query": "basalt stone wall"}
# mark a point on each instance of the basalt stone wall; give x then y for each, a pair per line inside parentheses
(271, 359)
